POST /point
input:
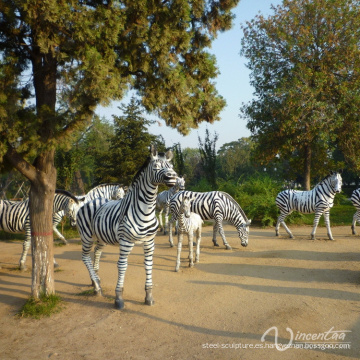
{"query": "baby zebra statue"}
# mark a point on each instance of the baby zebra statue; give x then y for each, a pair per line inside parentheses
(188, 223)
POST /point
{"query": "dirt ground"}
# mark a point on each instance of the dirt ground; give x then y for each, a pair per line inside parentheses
(300, 292)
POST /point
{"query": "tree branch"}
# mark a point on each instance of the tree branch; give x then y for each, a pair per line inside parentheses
(20, 164)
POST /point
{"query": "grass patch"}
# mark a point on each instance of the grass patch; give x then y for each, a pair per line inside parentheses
(89, 292)
(340, 215)
(38, 308)
(11, 236)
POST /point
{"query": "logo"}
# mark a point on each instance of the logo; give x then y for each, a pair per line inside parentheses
(328, 339)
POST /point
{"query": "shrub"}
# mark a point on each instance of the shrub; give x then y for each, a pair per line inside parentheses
(256, 195)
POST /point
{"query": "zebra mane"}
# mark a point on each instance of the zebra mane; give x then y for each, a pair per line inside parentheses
(67, 193)
(236, 204)
(326, 177)
(137, 175)
(146, 163)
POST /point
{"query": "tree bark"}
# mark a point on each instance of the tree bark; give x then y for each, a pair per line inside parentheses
(41, 210)
(307, 167)
(79, 184)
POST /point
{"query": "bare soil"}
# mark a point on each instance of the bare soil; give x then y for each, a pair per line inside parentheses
(219, 309)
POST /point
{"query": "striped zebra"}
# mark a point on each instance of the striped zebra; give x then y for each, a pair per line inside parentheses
(14, 217)
(188, 223)
(216, 205)
(127, 221)
(163, 202)
(319, 200)
(107, 191)
(355, 199)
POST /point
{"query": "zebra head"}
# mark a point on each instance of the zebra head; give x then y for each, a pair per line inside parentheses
(118, 193)
(161, 168)
(185, 206)
(335, 181)
(243, 230)
(180, 183)
(73, 207)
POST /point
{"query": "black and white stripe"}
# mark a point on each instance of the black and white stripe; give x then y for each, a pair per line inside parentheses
(108, 191)
(163, 202)
(188, 223)
(127, 221)
(355, 199)
(14, 217)
(319, 200)
(216, 205)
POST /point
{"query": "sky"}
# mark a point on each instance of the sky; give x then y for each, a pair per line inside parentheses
(233, 84)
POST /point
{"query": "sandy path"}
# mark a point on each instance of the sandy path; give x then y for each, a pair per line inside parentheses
(218, 310)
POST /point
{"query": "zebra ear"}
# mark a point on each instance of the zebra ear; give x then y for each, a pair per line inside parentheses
(169, 155)
(78, 200)
(153, 150)
(248, 223)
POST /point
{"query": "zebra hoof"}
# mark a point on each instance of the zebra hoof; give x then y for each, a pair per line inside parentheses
(56, 265)
(215, 243)
(228, 247)
(149, 302)
(23, 267)
(119, 304)
(98, 292)
(171, 244)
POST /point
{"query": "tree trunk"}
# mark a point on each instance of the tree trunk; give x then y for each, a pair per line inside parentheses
(41, 210)
(79, 184)
(307, 167)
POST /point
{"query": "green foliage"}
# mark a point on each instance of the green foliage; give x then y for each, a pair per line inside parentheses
(129, 146)
(305, 68)
(207, 149)
(234, 159)
(202, 186)
(44, 306)
(256, 196)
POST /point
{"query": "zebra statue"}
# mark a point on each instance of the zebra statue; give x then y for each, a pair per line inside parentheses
(188, 223)
(163, 202)
(127, 221)
(107, 191)
(355, 199)
(217, 205)
(14, 217)
(319, 200)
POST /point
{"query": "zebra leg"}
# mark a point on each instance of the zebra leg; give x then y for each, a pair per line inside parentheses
(356, 217)
(97, 254)
(327, 223)
(180, 239)
(166, 226)
(198, 240)
(191, 250)
(222, 234)
(281, 220)
(149, 247)
(26, 247)
(161, 228)
(59, 235)
(316, 222)
(86, 258)
(215, 229)
(170, 234)
(125, 249)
